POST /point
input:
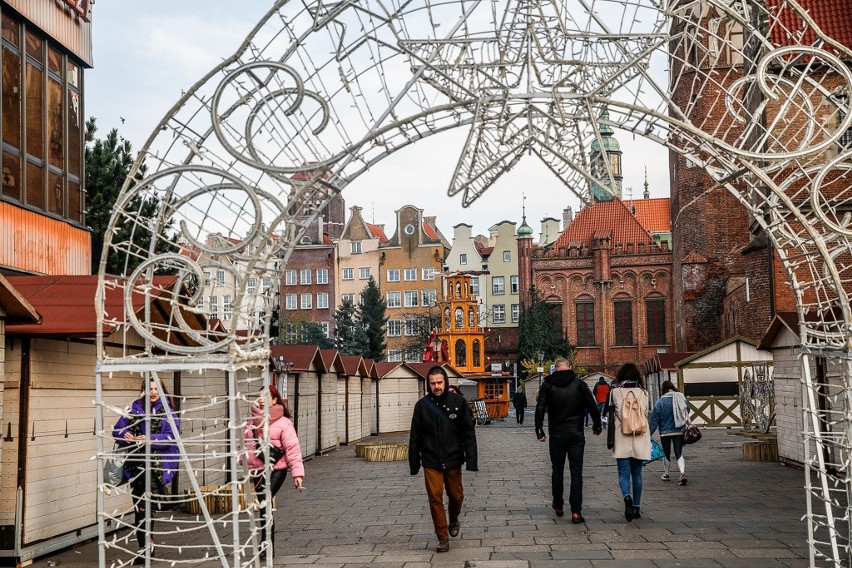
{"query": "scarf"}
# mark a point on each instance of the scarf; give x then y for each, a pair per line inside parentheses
(276, 411)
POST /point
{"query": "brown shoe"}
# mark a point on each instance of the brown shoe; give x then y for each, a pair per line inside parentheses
(577, 518)
(559, 511)
(443, 546)
(454, 528)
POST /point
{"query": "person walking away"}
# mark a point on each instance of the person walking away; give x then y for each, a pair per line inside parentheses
(442, 439)
(520, 403)
(671, 415)
(565, 398)
(284, 451)
(156, 431)
(632, 436)
(601, 392)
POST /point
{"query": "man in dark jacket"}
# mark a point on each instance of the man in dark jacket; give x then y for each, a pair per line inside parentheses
(566, 399)
(520, 403)
(442, 439)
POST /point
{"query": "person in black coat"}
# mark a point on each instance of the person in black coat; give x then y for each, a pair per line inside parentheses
(520, 403)
(566, 399)
(442, 439)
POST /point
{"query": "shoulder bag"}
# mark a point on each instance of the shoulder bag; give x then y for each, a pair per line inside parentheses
(692, 434)
(114, 466)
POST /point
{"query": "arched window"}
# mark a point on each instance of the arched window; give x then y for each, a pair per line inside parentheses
(458, 290)
(461, 353)
(459, 318)
(471, 318)
(447, 319)
(477, 353)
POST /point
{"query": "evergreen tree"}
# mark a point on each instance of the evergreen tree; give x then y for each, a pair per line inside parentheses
(304, 332)
(372, 313)
(539, 332)
(108, 163)
(350, 336)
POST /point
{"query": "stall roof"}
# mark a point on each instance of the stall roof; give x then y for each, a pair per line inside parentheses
(665, 361)
(382, 368)
(67, 303)
(720, 347)
(301, 356)
(354, 365)
(18, 309)
(782, 320)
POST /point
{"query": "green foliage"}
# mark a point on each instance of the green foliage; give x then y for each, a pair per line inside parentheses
(108, 163)
(541, 335)
(372, 313)
(350, 334)
(304, 333)
(417, 342)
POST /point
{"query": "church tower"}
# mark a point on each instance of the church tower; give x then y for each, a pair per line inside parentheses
(603, 151)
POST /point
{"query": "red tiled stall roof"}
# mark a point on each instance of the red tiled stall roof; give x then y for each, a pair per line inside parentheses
(302, 356)
(834, 17)
(67, 303)
(382, 368)
(353, 365)
(18, 310)
(604, 215)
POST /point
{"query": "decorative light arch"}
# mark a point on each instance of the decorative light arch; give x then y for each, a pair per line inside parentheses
(321, 91)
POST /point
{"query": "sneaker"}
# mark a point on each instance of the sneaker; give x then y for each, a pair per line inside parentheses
(443, 546)
(682, 480)
(666, 477)
(454, 528)
(628, 508)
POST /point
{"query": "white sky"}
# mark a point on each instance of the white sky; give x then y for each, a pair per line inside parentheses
(147, 51)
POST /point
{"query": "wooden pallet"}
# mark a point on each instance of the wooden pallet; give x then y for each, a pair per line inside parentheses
(761, 451)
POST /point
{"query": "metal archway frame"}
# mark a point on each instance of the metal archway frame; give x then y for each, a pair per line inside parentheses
(257, 147)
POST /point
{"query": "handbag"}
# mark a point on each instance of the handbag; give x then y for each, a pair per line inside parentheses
(114, 466)
(610, 426)
(692, 434)
(656, 452)
(274, 453)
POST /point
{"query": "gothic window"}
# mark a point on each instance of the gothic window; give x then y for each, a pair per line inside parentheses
(459, 318)
(623, 322)
(585, 324)
(477, 353)
(655, 314)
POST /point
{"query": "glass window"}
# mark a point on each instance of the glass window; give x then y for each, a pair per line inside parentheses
(35, 185)
(394, 355)
(35, 111)
(394, 328)
(349, 274)
(428, 273)
(459, 318)
(474, 286)
(326, 328)
(322, 276)
(290, 278)
(364, 273)
(623, 312)
(516, 313)
(55, 123)
(355, 247)
(513, 282)
(12, 89)
(411, 297)
(655, 314)
(498, 285)
(305, 276)
(471, 318)
(11, 30)
(11, 175)
(207, 279)
(430, 297)
(34, 44)
(462, 259)
(477, 353)
(322, 300)
(75, 129)
(845, 141)
(291, 301)
(411, 327)
(251, 285)
(410, 274)
(220, 277)
(307, 301)
(585, 323)
(499, 313)
(394, 299)
(214, 308)
(266, 284)
(393, 275)
(461, 354)
(226, 307)
(507, 256)
(350, 297)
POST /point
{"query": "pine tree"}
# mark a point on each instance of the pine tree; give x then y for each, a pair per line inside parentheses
(372, 313)
(350, 336)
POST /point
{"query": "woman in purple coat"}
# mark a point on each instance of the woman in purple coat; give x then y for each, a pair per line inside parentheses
(133, 429)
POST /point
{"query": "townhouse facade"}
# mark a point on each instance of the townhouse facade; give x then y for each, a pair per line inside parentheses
(357, 256)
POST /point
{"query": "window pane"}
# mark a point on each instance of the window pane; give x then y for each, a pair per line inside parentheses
(585, 323)
(623, 322)
(35, 112)
(54, 61)
(34, 47)
(11, 30)
(55, 193)
(11, 98)
(75, 127)
(35, 185)
(656, 317)
(11, 175)
(56, 136)
(73, 75)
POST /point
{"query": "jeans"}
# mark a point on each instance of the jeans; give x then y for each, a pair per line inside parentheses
(630, 468)
(571, 445)
(436, 480)
(519, 414)
(601, 408)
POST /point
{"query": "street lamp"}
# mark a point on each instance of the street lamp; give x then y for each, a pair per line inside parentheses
(539, 357)
(282, 367)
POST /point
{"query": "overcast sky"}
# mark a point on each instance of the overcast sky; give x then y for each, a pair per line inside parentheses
(147, 51)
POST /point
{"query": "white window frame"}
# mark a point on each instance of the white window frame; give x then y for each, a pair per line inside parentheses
(306, 301)
(516, 313)
(305, 276)
(507, 256)
(226, 307)
(474, 286)
(291, 301)
(322, 300)
(326, 328)
(394, 328)
(364, 273)
(427, 273)
(498, 285)
(410, 299)
(265, 284)
(220, 278)
(411, 327)
(410, 275)
(514, 284)
(462, 259)
(207, 279)
(322, 275)
(348, 273)
(213, 308)
(251, 284)
(394, 356)
(498, 313)
(429, 297)
(355, 247)
(393, 274)
(350, 297)
(394, 300)
(290, 278)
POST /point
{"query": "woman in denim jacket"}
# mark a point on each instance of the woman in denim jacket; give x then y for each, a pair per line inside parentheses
(671, 415)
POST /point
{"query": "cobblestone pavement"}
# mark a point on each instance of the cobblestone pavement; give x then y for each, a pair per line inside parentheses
(353, 513)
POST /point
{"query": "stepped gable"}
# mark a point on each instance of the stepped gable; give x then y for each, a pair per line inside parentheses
(832, 16)
(605, 218)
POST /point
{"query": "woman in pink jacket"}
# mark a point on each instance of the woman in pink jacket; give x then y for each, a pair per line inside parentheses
(284, 452)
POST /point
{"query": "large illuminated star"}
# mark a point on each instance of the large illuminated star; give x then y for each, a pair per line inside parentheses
(531, 88)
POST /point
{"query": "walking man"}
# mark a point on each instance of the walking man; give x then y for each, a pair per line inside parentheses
(520, 403)
(601, 392)
(442, 439)
(565, 398)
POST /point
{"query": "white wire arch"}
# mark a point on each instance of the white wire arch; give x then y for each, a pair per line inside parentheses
(319, 92)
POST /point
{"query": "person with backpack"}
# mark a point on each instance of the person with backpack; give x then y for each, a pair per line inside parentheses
(671, 415)
(601, 392)
(442, 438)
(632, 440)
(566, 398)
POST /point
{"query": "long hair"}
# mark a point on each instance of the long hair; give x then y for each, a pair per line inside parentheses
(667, 386)
(275, 395)
(167, 398)
(629, 372)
